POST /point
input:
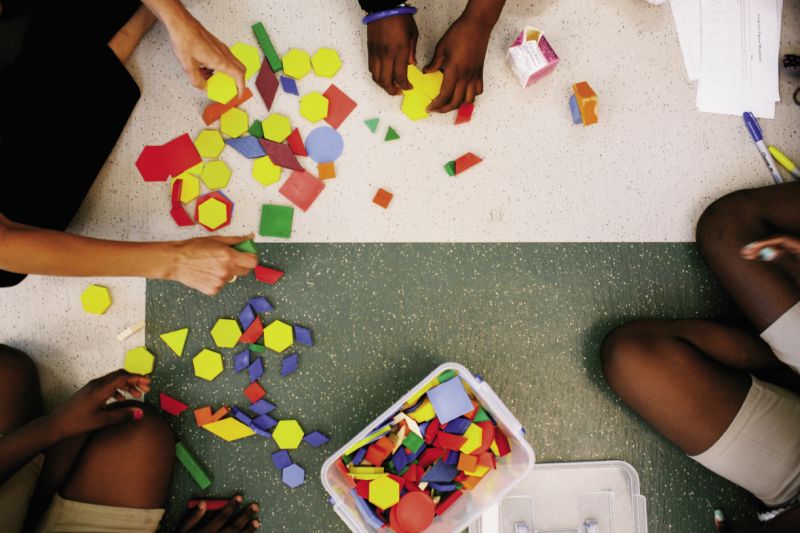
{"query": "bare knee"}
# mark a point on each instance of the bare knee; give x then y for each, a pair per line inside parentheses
(626, 348)
(728, 222)
(151, 432)
(20, 397)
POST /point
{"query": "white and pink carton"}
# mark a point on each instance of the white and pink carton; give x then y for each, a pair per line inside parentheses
(531, 57)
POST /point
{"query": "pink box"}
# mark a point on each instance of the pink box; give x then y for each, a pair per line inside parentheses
(530, 56)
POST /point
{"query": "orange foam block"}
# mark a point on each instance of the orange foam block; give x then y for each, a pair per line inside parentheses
(382, 198)
(586, 99)
(326, 170)
(466, 161)
(213, 111)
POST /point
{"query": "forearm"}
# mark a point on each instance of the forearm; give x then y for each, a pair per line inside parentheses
(487, 12)
(167, 11)
(22, 445)
(29, 250)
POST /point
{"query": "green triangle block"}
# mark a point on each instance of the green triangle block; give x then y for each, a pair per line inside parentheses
(450, 168)
(276, 221)
(256, 129)
(372, 124)
(247, 246)
(391, 135)
(176, 340)
(482, 416)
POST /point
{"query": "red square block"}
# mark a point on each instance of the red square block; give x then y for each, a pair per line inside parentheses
(382, 198)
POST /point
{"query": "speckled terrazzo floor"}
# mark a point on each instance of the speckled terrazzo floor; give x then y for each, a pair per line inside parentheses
(528, 317)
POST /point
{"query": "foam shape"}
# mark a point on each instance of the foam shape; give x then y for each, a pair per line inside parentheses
(326, 62)
(190, 187)
(266, 46)
(288, 434)
(324, 144)
(260, 432)
(191, 464)
(261, 304)
(467, 462)
(340, 106)
(246, 316)
(280, 154)
(247, 246)
(379, 450)
(366, 511)
(440, 472)
(241, 361)
(372, 124)
(326, 170)
(267, 84)
(295, 142)
(265, 422)
(254, 392)
(450, 400)
(249, 57)
(314, 107)
(267, 275)
(211, 504)
(464, 113)
(262, 407)
(178, 213)
(466, 161)
(450, 168)
(281, 459)
(415, 104)
(139, 360)
(289, 86)
(474, 436)
(293, 476)
(276, 127)
(170, 405)
(315, 439)
(226, 333)
(180, 155)
(413, 442)
(278, 336)
(303, 335)
(213, 210)
(265, 171)
(429, 84)
(207, 364)
(501, 443)
(424, 412)
(253, 332)
(587, 102)
(289, 364)
(302, 189)
(256, 368)
(391, 135)
(130, 330)
(247, 146)
(384, 492)
(415, 511)
(447, 502)
(458, 426)
(151, 164)
(229, 429)
(95, 299)
(176, 340)
(296, 63)
(382, 198)
(256, 130)
(574, 111)
(221, 88)
(258, 348)
(234, 122)
(214, 110)
(216, 174)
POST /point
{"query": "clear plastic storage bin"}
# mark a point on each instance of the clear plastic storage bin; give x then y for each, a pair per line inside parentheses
(511, 470)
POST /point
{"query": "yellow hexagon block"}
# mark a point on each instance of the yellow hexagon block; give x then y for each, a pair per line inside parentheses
(212, 213)
(288, 434)
(430, 84)
(233, 122)
(384, 492)
(276, 127)
(249, 57)
(226, 333)
(265, 171)
(95, 299)
(415, 104)
(209, 143)
(216, 174)
(139, 361)
(190, 189)
(314, 107)
(296, 63)
(221, 88)
(207, 364)
(278, 336)
(326, 62)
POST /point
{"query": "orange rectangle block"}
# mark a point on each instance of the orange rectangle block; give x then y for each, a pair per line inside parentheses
(586, 99)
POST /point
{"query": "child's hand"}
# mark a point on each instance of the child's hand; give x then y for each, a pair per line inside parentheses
(460, 55)
(226, 520)
(771, 249)
(87, 411)
(392, 44)
(207, 264)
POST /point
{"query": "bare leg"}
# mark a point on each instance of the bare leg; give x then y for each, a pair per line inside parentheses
(762, 290)
(20, 397)
(125, 41)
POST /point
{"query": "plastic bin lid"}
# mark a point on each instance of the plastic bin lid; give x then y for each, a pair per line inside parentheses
(585, 497)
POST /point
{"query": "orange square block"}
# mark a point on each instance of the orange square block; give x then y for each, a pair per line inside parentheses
(586, 99)
(382, 198)
(327, 170)
(467, 463)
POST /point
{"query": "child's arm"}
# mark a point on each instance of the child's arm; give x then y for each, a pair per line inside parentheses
(85, 411)
(391, 47)
(205, 264)
(460, 54)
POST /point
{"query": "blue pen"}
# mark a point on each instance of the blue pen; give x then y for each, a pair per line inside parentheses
(755, 132)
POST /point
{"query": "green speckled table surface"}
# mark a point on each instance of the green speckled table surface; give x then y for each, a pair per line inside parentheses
(528, 317)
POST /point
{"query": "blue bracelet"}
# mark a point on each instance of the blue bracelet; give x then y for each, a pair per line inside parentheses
(378, 15)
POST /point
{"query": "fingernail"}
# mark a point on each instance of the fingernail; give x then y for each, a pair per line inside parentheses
(238, 498)
(254, 507)
(202, 505)
(256, 523)
(767, 254)
(138, 414)
(748, 246)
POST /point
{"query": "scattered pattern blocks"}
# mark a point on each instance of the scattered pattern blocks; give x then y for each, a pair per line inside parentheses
(586, 99)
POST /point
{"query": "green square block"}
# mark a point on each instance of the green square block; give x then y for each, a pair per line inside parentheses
(413, 442)
(247, 246)
(450, 168)
(256, 129)
(266, 46)
(276, 221)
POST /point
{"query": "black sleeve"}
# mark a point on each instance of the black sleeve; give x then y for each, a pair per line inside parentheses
(370, 6)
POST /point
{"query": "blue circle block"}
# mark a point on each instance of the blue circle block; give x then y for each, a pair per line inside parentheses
(324, 144)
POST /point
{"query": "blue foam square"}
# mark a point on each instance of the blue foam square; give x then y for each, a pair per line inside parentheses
(281, 459)
(289, 85)
(450, 400)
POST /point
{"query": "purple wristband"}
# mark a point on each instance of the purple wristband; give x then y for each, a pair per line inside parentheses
(378, 15)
